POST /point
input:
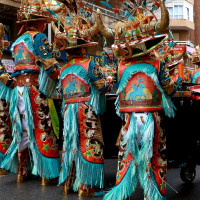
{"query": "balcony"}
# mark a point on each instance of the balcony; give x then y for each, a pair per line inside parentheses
(181, 24)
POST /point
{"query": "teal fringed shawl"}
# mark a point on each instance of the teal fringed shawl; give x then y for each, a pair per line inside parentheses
(97, 101)
(150, 71)
(27, 40)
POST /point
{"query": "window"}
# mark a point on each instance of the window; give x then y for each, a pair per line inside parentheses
(170, 10)
(178, 12)
(188, 14)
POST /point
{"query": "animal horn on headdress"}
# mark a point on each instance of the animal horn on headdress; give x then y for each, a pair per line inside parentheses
(54, 28)
(94, 29)
(164, 21)
(179, 56)
(104, 30)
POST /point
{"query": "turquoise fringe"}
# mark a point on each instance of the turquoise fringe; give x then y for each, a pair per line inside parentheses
(142, 156)
(147, 133)
(88, 173)
(126, 187)
(72, 153)
(9, 161)
(168, 106)
(149, 185)
(97, 101)
(5, 92)
(77, 70)
(152, 72)
(2, 157)
(70, 134)
(129, 138)
(195, 76)
(27, 40)
(117, 108)
(43, 166)
(46, 84)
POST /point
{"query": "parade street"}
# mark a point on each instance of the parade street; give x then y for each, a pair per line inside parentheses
(32, 190)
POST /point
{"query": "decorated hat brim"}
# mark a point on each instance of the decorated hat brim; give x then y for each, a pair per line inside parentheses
(82, 45)
(141, 47)
(173, 64)
(48, 20)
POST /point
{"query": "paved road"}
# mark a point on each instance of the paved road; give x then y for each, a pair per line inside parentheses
(32, 190)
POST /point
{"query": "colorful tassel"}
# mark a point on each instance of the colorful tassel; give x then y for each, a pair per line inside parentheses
(5, 92)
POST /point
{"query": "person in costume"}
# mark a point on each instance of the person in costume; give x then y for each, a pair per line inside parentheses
(170, 58)
(82, 82)
(5, 94)
(33, 115)
(141, 96)
(194, 76)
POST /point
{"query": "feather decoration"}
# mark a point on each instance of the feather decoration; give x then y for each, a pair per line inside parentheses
(51, 12)
(106, 4)
(58, 3)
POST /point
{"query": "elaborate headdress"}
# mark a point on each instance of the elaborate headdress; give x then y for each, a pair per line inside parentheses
(195, 57)
(137, 36)
(34, 10)
(169, 55)
(73, 28)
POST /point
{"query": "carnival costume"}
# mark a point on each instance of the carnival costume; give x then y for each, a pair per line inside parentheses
(82, 165)
(194, 77)
(170, 58)
(33, 115)
(142, 148)
(5, 94)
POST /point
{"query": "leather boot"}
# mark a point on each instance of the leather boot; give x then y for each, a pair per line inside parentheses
(22, 172)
